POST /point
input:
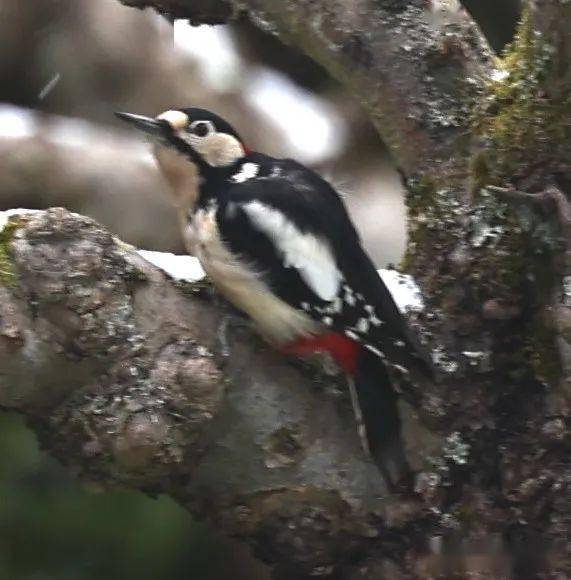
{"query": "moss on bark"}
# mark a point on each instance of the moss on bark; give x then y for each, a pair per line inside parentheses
(7, 273)
(517, 119)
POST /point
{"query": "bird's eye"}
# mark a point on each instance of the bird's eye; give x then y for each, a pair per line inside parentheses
(201, 128)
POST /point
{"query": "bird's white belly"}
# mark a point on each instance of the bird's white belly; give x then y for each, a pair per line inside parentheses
(242, 286)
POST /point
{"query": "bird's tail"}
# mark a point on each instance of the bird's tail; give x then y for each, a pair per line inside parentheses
(406, 356)
(378, 419)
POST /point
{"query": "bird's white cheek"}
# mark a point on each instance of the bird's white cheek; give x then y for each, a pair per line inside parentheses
(219, 149)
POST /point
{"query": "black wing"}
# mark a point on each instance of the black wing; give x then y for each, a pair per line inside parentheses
(361, 306)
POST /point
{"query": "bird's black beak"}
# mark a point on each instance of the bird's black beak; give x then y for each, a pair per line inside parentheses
(146, 124)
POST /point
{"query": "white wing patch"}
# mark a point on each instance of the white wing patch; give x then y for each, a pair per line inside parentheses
(309, 255)
(247, 171)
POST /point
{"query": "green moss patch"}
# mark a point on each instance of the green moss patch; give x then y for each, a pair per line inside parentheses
(7, 273)
(517, 119)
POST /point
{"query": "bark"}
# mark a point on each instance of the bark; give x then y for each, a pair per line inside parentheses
(135, 381)
(273, 460)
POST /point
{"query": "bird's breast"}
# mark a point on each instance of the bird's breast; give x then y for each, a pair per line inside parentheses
(242, 285)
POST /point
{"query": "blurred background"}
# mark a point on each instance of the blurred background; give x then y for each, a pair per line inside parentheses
(65, 66)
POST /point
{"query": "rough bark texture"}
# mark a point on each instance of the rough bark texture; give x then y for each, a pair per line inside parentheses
(126, 378)
(273, 460)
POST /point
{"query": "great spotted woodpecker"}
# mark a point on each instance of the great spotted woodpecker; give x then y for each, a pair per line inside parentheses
(277, 242)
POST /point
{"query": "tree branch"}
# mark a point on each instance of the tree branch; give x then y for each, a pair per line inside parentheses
(122, 375)
(417, 72)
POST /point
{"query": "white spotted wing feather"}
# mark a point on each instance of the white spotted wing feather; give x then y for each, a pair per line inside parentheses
(309, 255)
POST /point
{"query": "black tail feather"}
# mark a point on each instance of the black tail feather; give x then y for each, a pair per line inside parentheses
(376, 410)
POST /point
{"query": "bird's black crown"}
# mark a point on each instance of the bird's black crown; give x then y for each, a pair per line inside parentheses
(222, 126)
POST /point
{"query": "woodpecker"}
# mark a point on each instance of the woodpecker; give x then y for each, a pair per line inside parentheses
(276, 240)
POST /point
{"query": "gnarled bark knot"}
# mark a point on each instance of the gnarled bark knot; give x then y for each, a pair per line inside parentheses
(125, 400)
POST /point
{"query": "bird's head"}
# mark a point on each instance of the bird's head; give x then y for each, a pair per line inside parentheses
(204, 138)
(190, 145)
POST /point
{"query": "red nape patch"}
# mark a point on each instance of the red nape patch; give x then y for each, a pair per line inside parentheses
(344, 350)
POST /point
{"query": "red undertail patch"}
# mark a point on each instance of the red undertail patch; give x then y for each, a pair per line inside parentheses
(343, 349)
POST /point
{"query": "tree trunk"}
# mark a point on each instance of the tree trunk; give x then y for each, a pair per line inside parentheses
(125, 377)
